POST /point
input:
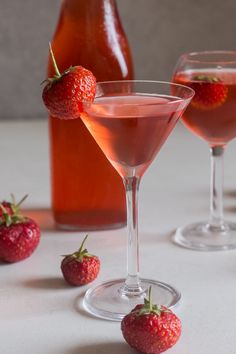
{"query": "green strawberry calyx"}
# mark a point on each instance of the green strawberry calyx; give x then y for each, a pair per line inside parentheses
(150, 308)
(15, 216)
(80, 254)
(207, 78)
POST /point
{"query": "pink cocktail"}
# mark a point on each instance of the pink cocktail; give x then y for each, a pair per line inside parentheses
(211, 116)
(123, 124)
(130, 121)
(215, 121)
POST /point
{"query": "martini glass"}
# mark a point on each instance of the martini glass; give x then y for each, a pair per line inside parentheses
(130, 121)
(211, 116)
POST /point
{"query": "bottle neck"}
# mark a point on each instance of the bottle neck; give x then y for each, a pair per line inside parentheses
(84, 8)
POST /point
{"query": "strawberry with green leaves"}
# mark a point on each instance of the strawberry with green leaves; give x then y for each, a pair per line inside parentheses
(19, 235)
(65, 93)
(151, 329)
(80, 267)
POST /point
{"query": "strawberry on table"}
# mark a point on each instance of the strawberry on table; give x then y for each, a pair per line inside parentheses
(19, 235)
(210, 92)
(65, 93)
(151, 329)
(80, 267)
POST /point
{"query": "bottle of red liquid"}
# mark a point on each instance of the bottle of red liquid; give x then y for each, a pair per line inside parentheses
(87, 192)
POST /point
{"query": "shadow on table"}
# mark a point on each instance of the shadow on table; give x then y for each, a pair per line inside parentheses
(103, 348)
(231, 193)
(4, 264)
(230, 209)
(56, 283)
(155, 237)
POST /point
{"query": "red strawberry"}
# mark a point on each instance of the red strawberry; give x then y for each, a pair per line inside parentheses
(151, 329)
(80, 268)
(64, 93)
(19, 235)
(210, 92)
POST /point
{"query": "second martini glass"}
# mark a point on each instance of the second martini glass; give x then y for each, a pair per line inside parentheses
(130, 121)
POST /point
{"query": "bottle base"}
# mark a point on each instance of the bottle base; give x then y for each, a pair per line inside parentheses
(90, 220)
(67, 227)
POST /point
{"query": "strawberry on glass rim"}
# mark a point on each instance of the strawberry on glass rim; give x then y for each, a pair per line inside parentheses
(65, 93)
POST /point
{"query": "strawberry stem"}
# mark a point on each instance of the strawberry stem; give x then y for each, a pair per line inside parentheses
(82, 244)
(58, 74)
(148, 306)
(78, 255)
(21, 201)
(150, 298)
(13, 199)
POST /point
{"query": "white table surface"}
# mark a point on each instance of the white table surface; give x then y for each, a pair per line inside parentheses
(40, 314)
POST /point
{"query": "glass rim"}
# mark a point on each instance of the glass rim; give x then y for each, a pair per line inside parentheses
(190, 57)
(190, 92)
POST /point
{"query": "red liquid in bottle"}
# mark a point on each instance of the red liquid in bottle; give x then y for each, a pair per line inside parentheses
(87, 192)
(217, 123)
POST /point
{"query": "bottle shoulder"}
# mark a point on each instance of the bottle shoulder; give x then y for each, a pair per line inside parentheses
(99, 44)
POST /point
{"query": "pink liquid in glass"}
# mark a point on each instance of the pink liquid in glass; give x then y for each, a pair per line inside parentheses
(131, 128)
(216, 124)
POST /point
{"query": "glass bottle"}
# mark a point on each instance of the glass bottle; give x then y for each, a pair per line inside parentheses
(87, 192)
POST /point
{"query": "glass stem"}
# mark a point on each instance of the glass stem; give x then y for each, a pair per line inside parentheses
(132, 283)
(216, 187)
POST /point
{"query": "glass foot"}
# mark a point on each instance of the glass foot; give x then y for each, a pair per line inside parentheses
(203, 237)
(108, 300)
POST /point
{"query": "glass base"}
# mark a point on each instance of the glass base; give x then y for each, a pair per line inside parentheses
(109, 301)
(204, 237)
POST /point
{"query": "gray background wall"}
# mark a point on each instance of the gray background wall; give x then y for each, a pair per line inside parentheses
(158, 30)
